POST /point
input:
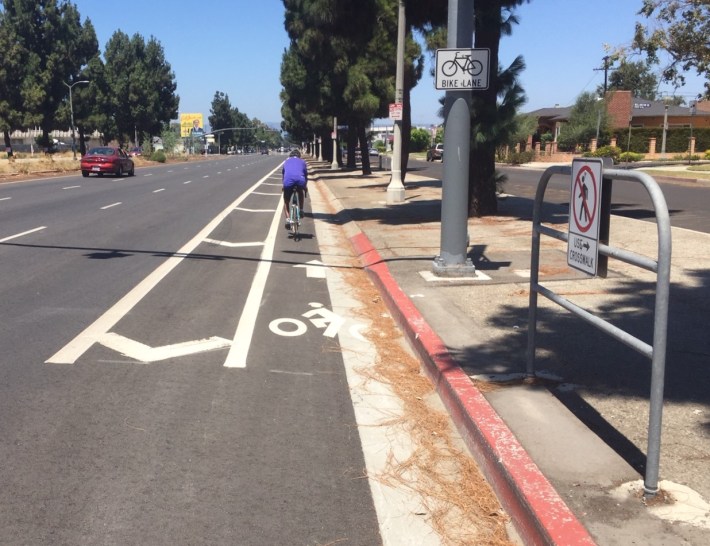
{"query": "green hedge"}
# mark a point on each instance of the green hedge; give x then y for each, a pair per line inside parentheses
(676, 139)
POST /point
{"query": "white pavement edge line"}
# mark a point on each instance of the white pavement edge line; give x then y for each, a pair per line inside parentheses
(237, 357)
(81, 343)
(375, 406)
(11, 237)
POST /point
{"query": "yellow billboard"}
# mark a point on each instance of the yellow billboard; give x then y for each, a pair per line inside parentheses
(191, 124)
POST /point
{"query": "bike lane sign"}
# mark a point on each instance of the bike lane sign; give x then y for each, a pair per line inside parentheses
(462, 69)
(584, 212)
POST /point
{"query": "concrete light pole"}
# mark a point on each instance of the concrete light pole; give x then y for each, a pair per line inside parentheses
(665, 127)
(71, 110)
(395, 189)
(334, 163)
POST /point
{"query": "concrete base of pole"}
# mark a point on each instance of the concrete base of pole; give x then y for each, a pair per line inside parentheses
(395, 193)
(441, 269)
(334, 166)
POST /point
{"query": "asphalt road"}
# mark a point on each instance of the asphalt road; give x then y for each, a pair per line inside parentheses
(688, 203)
(168, 372)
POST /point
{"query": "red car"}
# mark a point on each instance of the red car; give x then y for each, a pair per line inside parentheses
(107, 159)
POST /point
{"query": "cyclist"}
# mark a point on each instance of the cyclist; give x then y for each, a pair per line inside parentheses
(294, 175)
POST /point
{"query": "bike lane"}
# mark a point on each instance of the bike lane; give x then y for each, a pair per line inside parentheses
(166, 444)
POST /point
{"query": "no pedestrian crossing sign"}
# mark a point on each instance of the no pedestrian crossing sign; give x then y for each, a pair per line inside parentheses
(584, 213)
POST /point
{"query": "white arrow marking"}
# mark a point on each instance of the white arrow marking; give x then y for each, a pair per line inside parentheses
(232, 245)
(143, 353)
(314, 269)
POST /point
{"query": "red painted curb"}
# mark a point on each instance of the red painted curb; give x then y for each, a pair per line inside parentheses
(538, 512)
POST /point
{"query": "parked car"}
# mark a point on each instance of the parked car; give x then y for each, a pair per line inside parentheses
(137, 150)
(107, 159)
(435, 152)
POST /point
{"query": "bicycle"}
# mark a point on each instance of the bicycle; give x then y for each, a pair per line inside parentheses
(294, 214)
(463, 61)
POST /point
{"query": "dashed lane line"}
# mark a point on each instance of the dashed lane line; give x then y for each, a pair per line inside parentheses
(11, 237)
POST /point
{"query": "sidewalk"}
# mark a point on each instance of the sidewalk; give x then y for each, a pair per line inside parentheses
(566, 454)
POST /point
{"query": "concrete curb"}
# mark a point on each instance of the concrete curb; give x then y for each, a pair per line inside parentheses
(538, 512)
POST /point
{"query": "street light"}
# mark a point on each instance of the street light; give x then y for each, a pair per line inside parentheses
(71, 110)
(690, 142)
(665, 128)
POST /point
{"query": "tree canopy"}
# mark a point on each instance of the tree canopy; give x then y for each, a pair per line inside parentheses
(46, 49)
(681, 29)
(632, 76)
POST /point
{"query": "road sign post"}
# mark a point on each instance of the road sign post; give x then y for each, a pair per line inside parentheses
(584, 215)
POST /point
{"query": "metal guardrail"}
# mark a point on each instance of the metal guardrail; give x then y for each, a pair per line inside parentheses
(655, 352)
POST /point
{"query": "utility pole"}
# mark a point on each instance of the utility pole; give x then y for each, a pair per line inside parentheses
(452, 260)
(395, 189)
(606, 69)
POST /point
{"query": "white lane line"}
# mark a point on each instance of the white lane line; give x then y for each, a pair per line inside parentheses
(237, 357)
(262, 193)
(272, 184)
(95, 331)
(5, 198)
(206, 176)
(23, 233)
(188, 182)
(149, 174)
(158, 191)
(253, 210)
(232, 245)
(111, 205)
(71, 187)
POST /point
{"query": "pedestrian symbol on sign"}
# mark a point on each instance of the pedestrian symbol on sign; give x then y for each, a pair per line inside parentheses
(584, 212)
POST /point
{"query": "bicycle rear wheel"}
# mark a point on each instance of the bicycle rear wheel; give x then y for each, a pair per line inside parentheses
(294, 216)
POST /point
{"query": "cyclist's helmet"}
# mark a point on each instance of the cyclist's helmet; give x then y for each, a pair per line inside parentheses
(295, 153)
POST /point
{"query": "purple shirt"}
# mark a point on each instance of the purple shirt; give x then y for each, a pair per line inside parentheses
(294, 172)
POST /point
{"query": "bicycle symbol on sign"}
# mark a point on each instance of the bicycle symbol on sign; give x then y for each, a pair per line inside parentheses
(464, 62)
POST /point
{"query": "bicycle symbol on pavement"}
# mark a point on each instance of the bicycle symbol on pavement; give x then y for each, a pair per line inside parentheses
(318, 316)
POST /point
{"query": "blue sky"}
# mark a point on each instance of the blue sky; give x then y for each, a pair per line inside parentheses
(235, 46)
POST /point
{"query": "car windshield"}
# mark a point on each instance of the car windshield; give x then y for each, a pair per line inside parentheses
(101, 151)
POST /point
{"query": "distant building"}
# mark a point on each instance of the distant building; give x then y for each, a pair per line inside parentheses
(624, 109)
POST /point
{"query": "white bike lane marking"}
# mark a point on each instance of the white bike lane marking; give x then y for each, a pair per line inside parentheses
(95, 332)
(330, 322)
(237, 357)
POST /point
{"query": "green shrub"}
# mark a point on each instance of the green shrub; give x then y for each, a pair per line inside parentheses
(520, 158)
(707, 154)
(607, 151)
(159, 156)
(630, 157)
